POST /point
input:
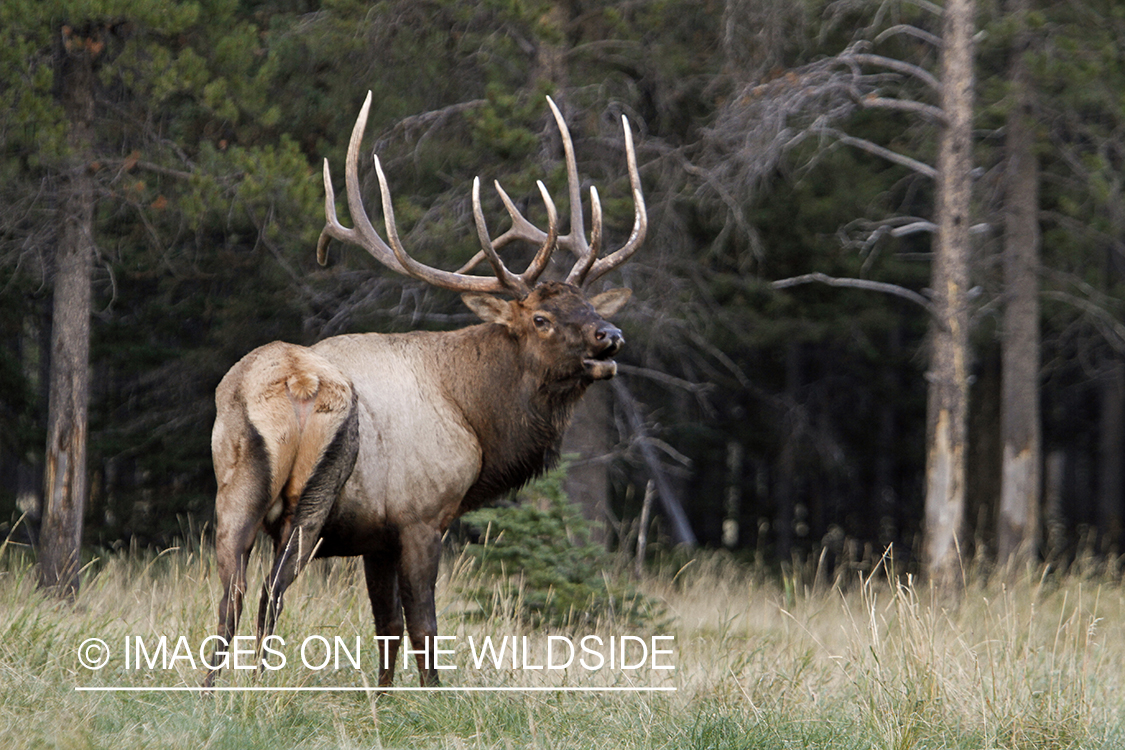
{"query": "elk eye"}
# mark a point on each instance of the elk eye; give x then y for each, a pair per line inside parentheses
(540, 321)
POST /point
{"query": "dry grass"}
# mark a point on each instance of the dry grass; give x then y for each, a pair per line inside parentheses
(871, 661)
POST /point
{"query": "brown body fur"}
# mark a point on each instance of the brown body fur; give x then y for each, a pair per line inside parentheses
(372, 444)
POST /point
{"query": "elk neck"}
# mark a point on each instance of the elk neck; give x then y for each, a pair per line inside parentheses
(518, 409)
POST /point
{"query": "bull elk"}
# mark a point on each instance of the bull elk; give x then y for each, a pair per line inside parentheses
(371, 444)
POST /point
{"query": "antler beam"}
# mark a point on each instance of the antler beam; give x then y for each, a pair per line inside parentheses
(391, 253)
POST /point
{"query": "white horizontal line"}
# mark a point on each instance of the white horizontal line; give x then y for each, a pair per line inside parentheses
(363, 689)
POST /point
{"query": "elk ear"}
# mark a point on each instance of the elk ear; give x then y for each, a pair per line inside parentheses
(488, 308)
(610, 303)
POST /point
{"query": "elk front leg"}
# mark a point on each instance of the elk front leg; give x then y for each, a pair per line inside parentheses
(386, 607)
(417, 576)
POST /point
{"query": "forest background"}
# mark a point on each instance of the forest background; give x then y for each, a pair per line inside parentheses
(776, 139)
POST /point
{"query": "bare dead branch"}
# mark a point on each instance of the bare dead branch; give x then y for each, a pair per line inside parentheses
(932, 8)
(868, 284)
(914, 227)
(1113, 331)
(893, 156)
(665, 378)
(766, 119)
(890, 63)
(148, 166)
(910, 30)
(425, 121)
(872, 101)
(733, 206)
(681, 530)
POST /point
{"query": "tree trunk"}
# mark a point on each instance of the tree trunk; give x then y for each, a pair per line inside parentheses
(1018, 523)
(786, 489)
(984, 464)
(64, 484)
(1111, 484)
(732, 510)
(947, 402)
(887, 499)
(1054, 473)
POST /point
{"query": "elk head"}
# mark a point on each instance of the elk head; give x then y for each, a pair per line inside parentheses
(534, 314)
(563, 335)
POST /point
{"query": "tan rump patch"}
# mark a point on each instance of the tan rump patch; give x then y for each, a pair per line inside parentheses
(303, 384)
(296, 400)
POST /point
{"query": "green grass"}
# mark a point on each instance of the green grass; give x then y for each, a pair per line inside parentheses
(1033, 661)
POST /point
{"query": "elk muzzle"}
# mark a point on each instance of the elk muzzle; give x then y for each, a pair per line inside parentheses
(607, 342)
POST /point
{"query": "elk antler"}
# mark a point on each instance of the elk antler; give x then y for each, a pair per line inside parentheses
(587, 267)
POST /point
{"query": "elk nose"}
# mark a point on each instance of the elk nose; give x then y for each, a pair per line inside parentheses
(610, 337)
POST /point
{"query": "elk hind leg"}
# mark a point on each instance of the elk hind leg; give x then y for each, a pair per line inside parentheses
(240, 499)
(315, 498)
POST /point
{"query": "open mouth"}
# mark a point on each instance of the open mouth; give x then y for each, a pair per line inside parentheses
(601, 366)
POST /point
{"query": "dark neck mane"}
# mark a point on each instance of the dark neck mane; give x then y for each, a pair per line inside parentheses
(518, 418)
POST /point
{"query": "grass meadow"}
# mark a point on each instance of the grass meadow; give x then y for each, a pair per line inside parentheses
(1035, 660)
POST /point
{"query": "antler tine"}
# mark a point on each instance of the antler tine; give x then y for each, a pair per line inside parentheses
(509, 280)
(640, 221)
(524, 230)
(587, 265)
(575, 240)
(457, 282)
(364, 234)
(332, 226)
(582, 266)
